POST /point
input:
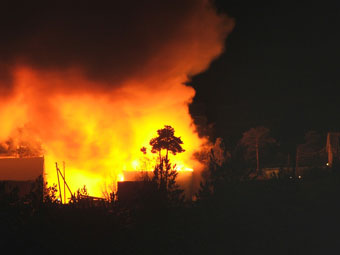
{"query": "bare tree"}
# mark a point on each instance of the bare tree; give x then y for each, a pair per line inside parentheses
(255, 139)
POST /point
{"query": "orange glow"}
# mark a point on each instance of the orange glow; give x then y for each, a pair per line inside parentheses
(97, 122)
(97, 134)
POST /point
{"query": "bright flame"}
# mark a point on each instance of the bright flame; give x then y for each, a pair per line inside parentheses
(120, 177)
(96, 122)
(99, 135)
(135, 164)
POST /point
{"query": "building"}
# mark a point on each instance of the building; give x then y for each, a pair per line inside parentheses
(20, 173)
(128, 189)
(332, 148)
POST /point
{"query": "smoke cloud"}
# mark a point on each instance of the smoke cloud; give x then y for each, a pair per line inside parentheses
(91, 82)
(111, 41)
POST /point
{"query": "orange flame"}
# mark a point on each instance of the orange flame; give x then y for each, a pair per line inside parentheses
(99, 135)
(97, 126)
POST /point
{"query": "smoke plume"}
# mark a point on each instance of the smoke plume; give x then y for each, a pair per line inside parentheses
(93, 81)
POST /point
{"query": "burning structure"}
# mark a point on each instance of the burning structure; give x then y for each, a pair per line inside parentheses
(92, 84)
(20, 173)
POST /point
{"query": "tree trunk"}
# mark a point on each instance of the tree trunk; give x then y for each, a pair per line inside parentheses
(160, 169)
(166, 169)
(257, 157)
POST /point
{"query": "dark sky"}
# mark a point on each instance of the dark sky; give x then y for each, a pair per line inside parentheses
(280, 70)
(280, 67)
(109, 41)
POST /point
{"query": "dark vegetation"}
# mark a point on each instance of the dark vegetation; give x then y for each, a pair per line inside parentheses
(278, 216)
(233, 214)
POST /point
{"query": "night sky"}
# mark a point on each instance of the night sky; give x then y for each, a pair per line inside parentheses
(279, 70)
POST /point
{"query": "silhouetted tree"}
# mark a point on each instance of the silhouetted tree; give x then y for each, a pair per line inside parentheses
(255, 139)
(166, 140)
(82, 193)
(109, 194)
(50, 194)
(164, 174)
(223, 168)
(213, 158)
(81, 198)
(41, 194)
(36, 195)
(165, 179)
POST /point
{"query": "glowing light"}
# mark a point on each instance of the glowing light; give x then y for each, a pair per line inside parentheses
(97, 125)
(180, 168)
(99, 135)
(135, 164)
(121, 177)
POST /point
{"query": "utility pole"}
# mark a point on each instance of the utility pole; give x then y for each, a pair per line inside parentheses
(60, 196)
(58, 171)
(64, 181)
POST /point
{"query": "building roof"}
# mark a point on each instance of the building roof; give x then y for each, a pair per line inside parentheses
(21, 169)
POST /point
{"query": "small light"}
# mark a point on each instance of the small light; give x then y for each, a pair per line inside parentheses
(299, 177)
(327, 164)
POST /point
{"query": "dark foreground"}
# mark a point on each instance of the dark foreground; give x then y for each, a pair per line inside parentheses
(273, 217)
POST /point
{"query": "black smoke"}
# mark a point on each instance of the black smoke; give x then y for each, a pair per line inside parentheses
(107, 40)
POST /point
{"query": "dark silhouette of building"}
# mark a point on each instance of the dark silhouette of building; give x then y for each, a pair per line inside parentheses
(128, 191)
(185, 179)
(20, 173)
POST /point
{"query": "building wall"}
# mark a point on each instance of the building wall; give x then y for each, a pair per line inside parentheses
(21, 169)
(20, 173)
(185, 180)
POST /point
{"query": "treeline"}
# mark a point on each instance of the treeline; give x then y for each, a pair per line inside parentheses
(231, 213)
(258, 151)
(231, 216)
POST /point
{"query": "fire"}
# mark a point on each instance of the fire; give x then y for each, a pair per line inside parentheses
(99, 135)
(92, 94)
